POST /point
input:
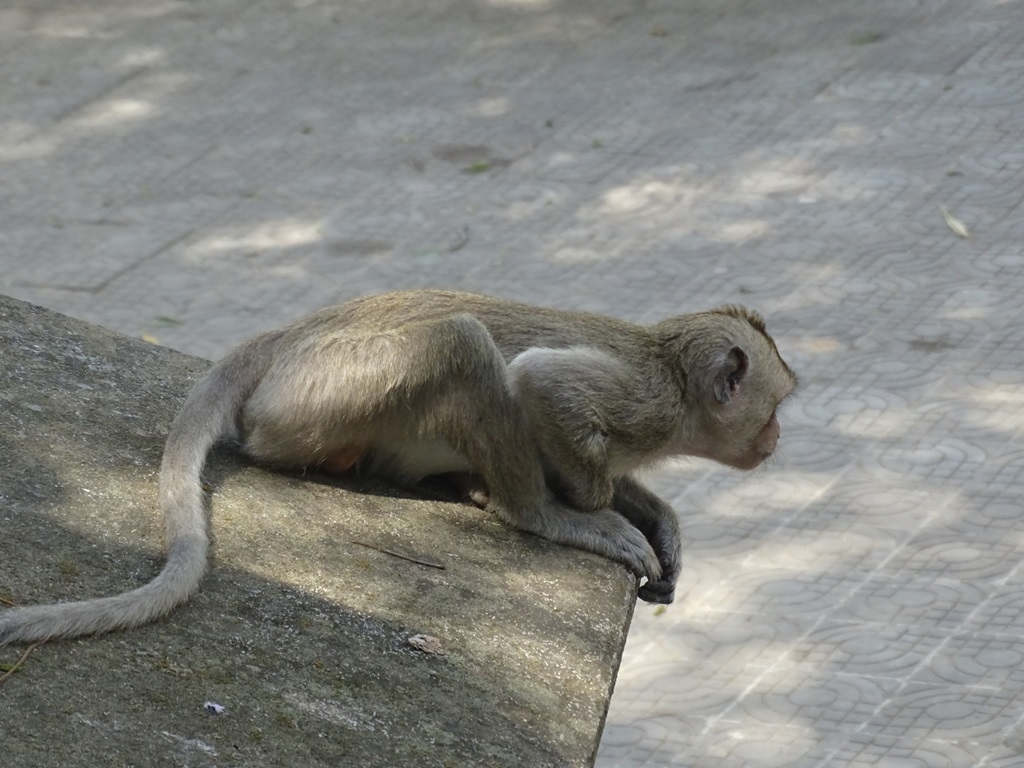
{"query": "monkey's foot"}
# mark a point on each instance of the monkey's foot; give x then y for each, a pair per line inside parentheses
(343, 461)
(603, 532)
(473, 488)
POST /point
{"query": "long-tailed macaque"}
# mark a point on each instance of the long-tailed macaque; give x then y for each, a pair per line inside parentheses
(550, 412)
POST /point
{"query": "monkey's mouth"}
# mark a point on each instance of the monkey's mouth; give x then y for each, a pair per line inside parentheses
(752, 461)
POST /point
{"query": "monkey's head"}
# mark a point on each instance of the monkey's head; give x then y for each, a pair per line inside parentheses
(734, 381)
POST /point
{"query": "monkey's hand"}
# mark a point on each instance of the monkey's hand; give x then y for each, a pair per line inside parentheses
(603, 532)
(660, 526)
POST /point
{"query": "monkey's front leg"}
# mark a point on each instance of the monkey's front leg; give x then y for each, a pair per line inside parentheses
(566, 396)
(659, 523)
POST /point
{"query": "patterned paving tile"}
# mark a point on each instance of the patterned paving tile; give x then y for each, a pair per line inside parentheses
(969, 715)
(875, 751)
(894, 599)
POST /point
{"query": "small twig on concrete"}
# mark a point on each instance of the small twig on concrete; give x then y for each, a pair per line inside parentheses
(400, 555)
(19, 662)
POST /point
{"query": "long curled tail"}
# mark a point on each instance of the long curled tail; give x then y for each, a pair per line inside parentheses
(208, 414)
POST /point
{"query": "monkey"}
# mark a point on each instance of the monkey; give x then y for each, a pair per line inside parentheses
(550, 414)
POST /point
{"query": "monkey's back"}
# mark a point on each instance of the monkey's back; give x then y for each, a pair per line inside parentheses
(514, 326)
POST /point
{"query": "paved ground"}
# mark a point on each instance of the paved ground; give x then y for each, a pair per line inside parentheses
(196, 172)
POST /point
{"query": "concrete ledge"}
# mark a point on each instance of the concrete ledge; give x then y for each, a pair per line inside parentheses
(300, 633)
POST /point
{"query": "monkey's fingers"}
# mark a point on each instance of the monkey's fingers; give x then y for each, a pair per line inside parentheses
(666, 543)
(663, 592)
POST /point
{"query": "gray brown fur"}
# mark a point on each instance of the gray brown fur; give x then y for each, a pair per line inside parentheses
(551, 412)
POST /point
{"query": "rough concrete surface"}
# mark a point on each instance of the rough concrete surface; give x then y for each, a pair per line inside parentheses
(302, 632)
(195, 172)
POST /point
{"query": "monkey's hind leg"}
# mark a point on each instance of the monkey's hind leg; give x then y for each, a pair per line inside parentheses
(338, 398)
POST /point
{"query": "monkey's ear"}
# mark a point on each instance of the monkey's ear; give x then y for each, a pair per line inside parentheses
(729, 373)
